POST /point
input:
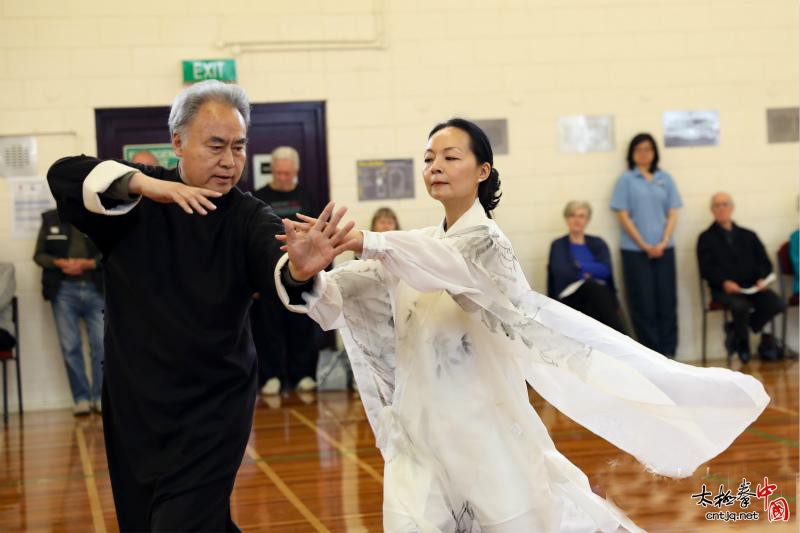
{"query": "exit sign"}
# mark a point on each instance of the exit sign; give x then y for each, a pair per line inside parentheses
(209, 69)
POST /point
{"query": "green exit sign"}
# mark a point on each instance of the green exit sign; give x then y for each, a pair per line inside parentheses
(209, 69)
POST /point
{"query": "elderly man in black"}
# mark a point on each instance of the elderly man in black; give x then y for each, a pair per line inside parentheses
(180, 368)
(734, 263)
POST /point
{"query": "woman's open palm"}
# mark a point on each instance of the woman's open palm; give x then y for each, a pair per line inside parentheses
(312, 247)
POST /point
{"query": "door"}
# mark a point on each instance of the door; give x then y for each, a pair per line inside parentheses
(300, 125)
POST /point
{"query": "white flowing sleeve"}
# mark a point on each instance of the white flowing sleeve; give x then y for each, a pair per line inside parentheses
(672, 417)
(354, 298)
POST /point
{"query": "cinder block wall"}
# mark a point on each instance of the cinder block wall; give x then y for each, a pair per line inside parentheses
(527, 61)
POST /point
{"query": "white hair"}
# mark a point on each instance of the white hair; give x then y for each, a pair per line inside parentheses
(574, 205)
(188, 102)
(289, 153)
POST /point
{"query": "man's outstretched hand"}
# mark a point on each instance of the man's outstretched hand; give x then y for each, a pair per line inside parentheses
(312, 247)
(190, 199)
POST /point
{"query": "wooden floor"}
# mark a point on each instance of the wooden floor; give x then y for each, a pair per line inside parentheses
(311, 465)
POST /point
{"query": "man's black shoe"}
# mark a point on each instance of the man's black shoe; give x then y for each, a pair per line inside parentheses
(768, 348)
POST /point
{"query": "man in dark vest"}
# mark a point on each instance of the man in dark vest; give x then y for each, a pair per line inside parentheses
(73, 281)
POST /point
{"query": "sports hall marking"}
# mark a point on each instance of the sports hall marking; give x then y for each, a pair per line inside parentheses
(286, 491)
(88, 475)
(783, 410)
(350, 454)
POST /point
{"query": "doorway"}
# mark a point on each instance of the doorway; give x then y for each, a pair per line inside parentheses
(300, 125)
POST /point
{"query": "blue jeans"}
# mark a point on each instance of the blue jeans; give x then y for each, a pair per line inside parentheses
(73, 302)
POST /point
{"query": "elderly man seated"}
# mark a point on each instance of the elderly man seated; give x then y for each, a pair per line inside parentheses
(734, 263)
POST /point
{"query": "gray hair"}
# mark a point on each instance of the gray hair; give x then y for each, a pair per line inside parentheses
(289, 153)
(189, 101)
(574, 205)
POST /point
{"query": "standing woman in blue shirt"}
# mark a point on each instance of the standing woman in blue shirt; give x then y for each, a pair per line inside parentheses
(646, 202)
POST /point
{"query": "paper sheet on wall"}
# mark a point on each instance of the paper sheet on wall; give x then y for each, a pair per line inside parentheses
(30, 197)
(586, 133)
(381, 179)
(691, 128)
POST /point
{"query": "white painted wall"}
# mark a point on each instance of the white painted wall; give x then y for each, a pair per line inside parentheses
(528, 61)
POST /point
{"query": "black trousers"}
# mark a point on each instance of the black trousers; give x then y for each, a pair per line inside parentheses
(765, 305)
(193, 497)
(597, 301)
(287, 343)
(652, 299)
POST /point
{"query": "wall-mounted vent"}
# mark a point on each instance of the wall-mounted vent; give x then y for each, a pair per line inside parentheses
(18, 156)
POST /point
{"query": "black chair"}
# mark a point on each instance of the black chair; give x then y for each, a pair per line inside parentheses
(12, 355)
(784, 270)
(709, 305)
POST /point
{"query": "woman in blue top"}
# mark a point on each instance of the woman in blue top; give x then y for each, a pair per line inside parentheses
(646, 202)
(579, 270)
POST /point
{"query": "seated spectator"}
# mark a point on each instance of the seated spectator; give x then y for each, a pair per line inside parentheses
(577, 257)
(8, 287)
(733, 260)
(384, 219)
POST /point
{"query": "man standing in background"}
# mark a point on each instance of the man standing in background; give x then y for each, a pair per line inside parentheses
(286, 342)
(73, 282)
(145, 157)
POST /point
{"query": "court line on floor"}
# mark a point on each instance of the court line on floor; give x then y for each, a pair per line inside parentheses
(286, 491)
(88, 476)
(774, 438)
(783, 410)
(98, 474)
(348, 453)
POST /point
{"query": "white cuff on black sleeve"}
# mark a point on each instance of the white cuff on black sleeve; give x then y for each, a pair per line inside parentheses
(99, 179)
(317, 289)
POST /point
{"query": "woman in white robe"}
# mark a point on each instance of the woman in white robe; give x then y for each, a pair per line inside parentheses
(443, 332)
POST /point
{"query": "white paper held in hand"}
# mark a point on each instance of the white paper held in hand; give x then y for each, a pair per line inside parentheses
(754, 289)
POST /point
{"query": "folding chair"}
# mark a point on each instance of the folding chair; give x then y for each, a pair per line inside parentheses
(785, 270)
(709, 305)
(7, 356)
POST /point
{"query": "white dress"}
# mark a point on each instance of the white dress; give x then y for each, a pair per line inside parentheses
(443, 331)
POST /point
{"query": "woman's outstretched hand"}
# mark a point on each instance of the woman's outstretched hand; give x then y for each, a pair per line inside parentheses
(355, 234)
(312, 246)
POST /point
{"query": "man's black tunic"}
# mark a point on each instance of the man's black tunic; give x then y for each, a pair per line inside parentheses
(180, 368)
